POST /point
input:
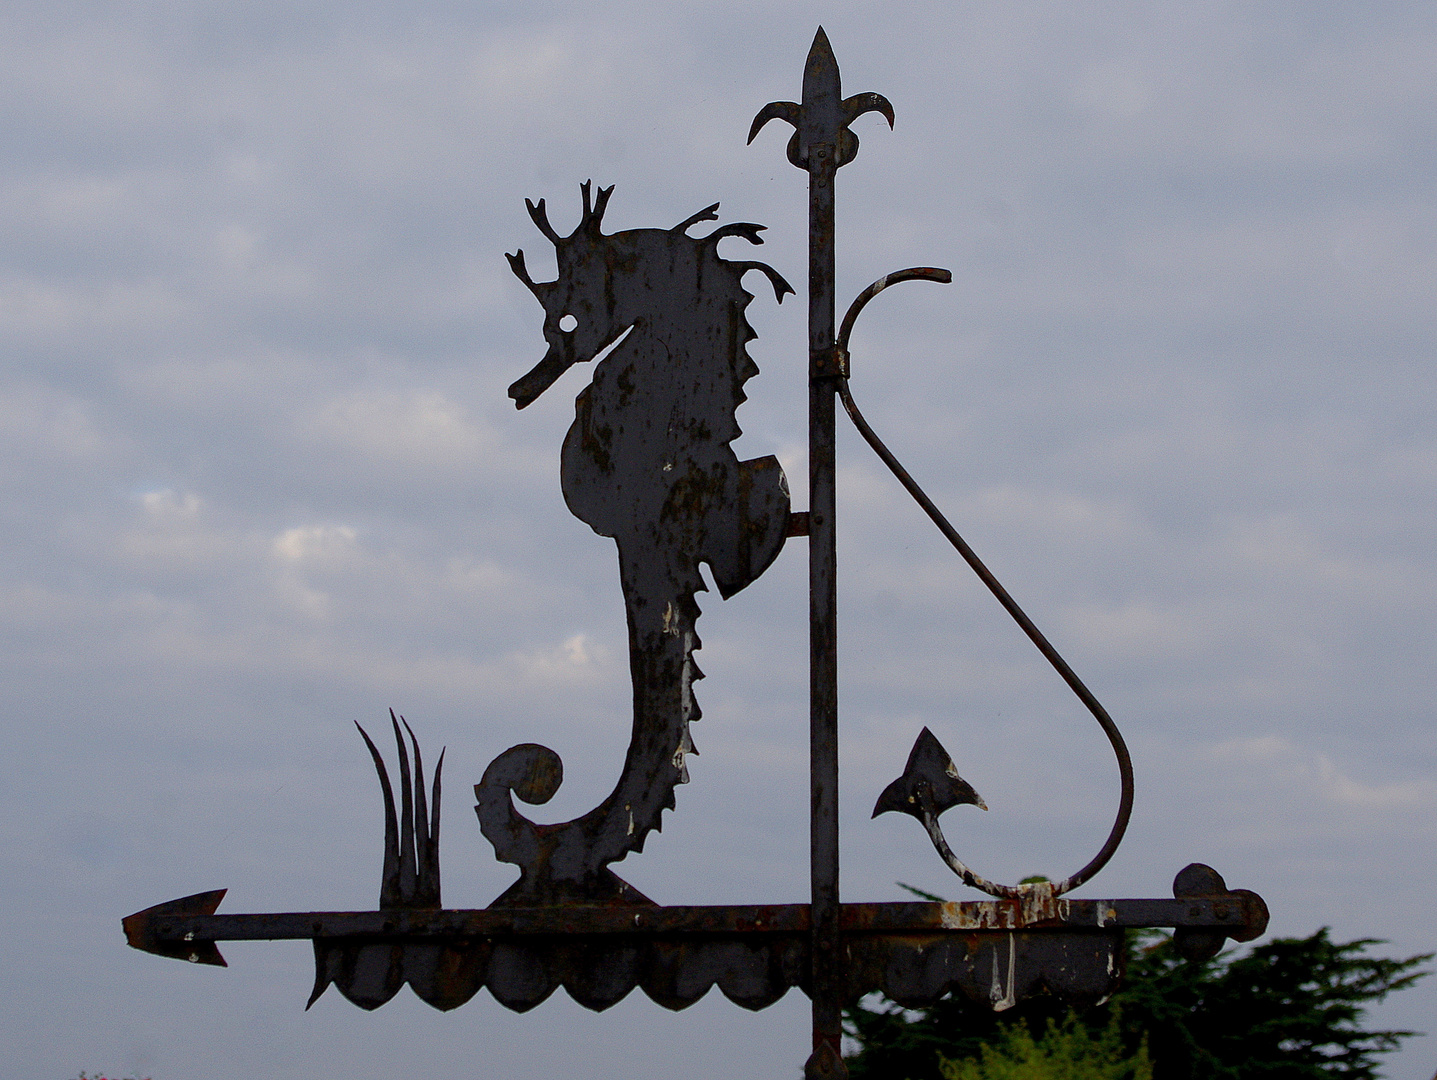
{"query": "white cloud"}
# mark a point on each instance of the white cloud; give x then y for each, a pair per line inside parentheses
(1315, 780)
(512, 68)
(41, 422)
(169, 505)
(1072, 515)
(176, 533)
(261, 476)
(34, 309)
(1282, 546)
(1138, 631)
(421, 427)
(476, 575)
(244, 255)
(317, 544)
(573, 659)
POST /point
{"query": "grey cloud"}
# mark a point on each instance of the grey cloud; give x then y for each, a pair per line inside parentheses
(260, 477)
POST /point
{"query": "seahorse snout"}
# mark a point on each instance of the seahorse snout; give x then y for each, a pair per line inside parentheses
(542, 376)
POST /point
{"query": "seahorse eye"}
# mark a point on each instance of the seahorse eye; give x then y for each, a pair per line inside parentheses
(568, 324)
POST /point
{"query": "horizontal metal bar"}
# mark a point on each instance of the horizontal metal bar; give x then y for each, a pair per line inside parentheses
(171, 925)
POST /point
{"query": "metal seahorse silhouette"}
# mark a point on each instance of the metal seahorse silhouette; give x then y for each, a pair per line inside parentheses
(648, 463)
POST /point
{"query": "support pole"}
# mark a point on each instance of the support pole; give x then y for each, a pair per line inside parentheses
(821, 145)
(828, 974)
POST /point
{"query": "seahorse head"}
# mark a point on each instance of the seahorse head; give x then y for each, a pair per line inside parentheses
(586, 308)
(662, 280)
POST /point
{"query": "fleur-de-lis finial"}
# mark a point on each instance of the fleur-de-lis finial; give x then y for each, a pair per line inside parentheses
(821, 139)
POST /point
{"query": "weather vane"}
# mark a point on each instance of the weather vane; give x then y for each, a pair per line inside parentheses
(648, 462)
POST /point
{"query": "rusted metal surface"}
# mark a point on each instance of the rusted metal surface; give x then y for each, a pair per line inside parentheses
(1237, 914)
(1198, 941)
(647, 462)
(821, 144)
(998, 968)
(929, 785)
(998, 951)
(166, 929)
(411, 843)
(928, 815)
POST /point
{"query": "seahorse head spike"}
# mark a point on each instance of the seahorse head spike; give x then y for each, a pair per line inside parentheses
(589, 223)
(540, 214)
(539, 288)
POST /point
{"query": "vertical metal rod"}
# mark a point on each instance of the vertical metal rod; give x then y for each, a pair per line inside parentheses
(821, 144)
(819, 136)
(828, 974)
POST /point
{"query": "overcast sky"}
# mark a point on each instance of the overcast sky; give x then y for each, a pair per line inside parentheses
(261, 480)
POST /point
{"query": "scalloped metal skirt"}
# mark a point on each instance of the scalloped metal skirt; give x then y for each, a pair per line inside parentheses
(992, 967)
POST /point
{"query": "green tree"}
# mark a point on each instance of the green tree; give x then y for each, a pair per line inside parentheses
(1289, 1009)
(1067, 1051)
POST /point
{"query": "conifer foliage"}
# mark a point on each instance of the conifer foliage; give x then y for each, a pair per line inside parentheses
(1289, 1009)
(1067, 1051)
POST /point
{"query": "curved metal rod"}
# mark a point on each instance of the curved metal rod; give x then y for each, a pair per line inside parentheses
(1094, 706)
(993, 888)
(913, 273)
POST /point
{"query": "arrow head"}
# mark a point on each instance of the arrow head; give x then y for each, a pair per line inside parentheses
(930, 783)
(152, 931)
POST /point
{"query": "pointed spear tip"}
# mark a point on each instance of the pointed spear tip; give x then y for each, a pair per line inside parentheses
(820, 71)
(821, 47)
